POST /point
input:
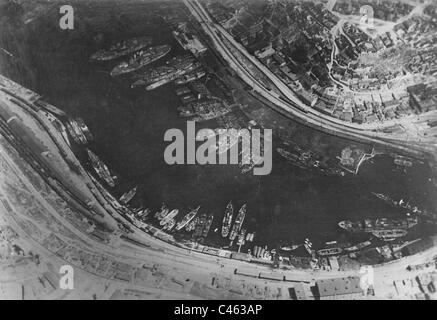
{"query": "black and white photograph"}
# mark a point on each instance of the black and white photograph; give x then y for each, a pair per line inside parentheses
(218, 154)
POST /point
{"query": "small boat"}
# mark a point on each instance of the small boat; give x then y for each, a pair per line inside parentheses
(143, 213)
(252, 236)
(291, 247)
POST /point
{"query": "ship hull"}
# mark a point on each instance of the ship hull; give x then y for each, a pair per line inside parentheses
(108, 55)
(119, 70)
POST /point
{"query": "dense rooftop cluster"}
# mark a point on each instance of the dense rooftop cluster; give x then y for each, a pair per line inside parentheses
(332, 64)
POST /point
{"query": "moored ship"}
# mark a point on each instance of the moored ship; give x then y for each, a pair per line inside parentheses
(143, 213)
(190, 227)
(173, 69)
(238, 223)
(128, 196)
(242, 237)
(199, 227)
(101, 169)
(160, 214)
(329, 251)
(404, 205)
(169, 217)
(141, 59)
(207, 226)
(187, 218)
(170, 225)
(370, 225)
(122, 49)
(389, 235)
(79, 131)
(227, 220)
(189, 77)
(84, 129)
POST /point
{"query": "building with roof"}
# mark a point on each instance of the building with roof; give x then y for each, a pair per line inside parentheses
(423, 97)
(339, 288)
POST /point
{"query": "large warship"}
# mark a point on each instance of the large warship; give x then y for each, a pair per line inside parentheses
(173, 69)
(122, 49)
(389, 235)
(141, 59)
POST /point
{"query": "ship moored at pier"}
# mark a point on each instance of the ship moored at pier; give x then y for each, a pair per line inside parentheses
(370, 225)
(121, 49)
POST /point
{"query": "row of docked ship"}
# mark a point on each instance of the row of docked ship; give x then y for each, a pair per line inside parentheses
(172, 70)
(235, 230)
(121, 49)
